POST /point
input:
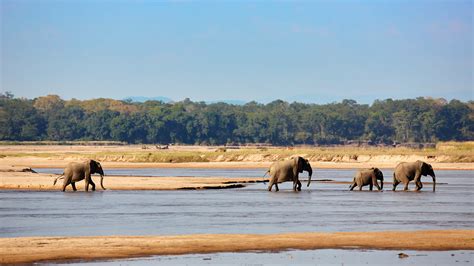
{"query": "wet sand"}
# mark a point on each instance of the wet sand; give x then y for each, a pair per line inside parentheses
(34, 249)
(35, 181)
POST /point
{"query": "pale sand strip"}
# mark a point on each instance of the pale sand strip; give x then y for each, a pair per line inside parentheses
(32, 181)
(33, 249)
(37, 162)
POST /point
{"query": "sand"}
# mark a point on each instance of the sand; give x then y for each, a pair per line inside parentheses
(34, 181)
(39, 162)
(57, 156)
(34, 249)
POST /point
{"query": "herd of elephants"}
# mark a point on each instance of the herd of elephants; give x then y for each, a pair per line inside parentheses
(279, 172)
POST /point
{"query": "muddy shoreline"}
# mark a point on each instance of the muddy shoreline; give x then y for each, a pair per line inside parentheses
(35, 249)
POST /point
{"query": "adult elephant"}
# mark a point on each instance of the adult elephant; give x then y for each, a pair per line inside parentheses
(406, 172)
(75, 172)
(369, 177)
(288, 170)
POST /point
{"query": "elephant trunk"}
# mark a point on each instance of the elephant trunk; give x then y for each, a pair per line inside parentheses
(381, 184)
(101, 182)
(434, 183)
(310, 173)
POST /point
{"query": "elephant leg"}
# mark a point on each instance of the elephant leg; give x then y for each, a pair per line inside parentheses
(65, 183)
(371, 186)
(92, 184)
(406, 186)
(419, 185)
(276, 187)
(360, 187)
(299, 186)
(87, 184)
(295, 184)
(395, 184)
(270, 185)
(73, 184)
(351, 187)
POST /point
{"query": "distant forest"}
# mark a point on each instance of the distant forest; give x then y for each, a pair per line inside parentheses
(277, 123)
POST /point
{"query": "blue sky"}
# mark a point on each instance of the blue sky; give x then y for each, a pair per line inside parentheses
(310, 51)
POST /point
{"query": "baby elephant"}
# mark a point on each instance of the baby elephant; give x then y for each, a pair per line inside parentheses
(75, 172)
(366, 177)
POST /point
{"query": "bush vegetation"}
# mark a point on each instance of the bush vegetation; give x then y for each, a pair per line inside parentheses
(277, 123)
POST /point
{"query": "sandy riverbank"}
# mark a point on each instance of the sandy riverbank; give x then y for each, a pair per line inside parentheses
(38, 162)
(34, 181)
(134, 156)
(34, 249)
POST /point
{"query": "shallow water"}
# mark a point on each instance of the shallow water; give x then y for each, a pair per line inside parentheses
(309, 257)
(321, 207)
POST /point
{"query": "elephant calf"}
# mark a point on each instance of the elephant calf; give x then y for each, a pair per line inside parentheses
(288, 171)
(406, 172)
(75, 172)
(366, 177)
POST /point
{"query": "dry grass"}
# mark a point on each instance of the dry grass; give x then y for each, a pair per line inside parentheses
(448, 151)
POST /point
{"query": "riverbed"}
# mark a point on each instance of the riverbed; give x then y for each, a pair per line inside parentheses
(321, 207)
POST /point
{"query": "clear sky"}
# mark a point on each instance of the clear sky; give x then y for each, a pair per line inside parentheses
(310, 51)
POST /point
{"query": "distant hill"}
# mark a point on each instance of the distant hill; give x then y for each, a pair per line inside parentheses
(142, 99)
(234, 102)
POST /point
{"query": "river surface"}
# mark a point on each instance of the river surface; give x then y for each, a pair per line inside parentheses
(321, 207)
(304, 257)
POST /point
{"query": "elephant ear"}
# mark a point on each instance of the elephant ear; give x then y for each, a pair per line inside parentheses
(378, 173)
(425, 168)
(422, 166)
(92, 166)
(299, 163)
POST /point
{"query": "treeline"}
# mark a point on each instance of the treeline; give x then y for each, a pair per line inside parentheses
(277, 123)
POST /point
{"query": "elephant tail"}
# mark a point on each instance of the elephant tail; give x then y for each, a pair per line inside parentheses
(353, 182)
(268, 171)
(351, 186)
(57, 178)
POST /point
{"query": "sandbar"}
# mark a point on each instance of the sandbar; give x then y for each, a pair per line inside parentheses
(44, 182)
(34, 249)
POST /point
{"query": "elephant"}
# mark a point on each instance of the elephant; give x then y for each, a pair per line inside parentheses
(288, 170)
(366, 177)
(406, 172)
(75, 172)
